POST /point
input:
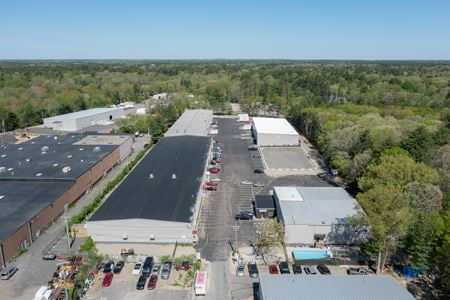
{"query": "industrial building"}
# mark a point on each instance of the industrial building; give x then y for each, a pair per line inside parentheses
(192, 122)
(274, 132)
(332, 287)
(38, 177)
(85, 118)
(317, 215)
(159, 200)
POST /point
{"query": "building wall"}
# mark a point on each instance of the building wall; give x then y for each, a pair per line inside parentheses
(140, 231)
(126, 147)
(12, 245)
(267, 139)
(97, 172)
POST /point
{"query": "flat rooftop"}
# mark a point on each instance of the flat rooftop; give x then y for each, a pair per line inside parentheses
(273, 126)
(85, 113)
(315, 205)
(192, 122)
(333, 287)
(102, 140)
(161, 197)
(20, 202)
(27, 161)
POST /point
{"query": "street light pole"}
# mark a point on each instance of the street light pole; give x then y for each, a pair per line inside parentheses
(68, 249)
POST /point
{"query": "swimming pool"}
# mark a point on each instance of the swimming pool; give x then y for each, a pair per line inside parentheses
(311, 253)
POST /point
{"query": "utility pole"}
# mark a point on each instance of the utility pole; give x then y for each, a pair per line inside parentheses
(68, 249)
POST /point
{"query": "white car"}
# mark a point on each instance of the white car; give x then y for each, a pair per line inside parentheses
(215, 179)
(155, 269)
(258, 184)
(246, 182)
(137, 269)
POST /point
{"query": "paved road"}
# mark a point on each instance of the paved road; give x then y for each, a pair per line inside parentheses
(35, 272)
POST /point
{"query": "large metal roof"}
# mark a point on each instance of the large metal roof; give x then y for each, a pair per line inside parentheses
(315, 205)
(191, 122)
(19, 201)
(333, 287)
(84, 113)
(163, 186)
(273, 126)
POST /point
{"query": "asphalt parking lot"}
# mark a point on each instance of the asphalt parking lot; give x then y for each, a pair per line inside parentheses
(292, 158)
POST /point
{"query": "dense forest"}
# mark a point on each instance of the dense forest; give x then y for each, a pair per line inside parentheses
(385, 126)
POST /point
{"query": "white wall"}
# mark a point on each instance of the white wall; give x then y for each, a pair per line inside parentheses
(98, 119)
(140, 231)
(268, 139)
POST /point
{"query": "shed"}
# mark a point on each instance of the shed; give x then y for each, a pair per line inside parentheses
(264, 206)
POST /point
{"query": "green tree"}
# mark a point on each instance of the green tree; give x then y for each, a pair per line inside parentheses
(11, 121)
(388, 215)
(270, 237)
(418, 143)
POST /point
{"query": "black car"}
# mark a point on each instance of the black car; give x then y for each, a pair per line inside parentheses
(108, 267)
(323, 270)
(284, 267)
(243, 215)
(259, 171)
(252, 270)
(297, 268)
(147, 267)
(140, 285)
(118, 267)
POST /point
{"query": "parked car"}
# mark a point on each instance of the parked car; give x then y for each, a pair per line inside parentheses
(140, 285)
(258, 171)
(284, 267)
(273, 269)
(8, 272)
(147, 266)
(215, 179)
(213, 162)
(243, 215)
(108, 267)
(126, 252)
(165, 273)
(310, 270)
(323, 270)
(252, 270)
(118, 267)
(210, 188)
(217, 159)
(357, 271)
(240, 270)
(49, 256)
(322, 175)
(184, 265)
(137, 269)
(258, 184)
(152, 282)
(252, 147)
(155, 269)
(107, 280)
(246, 182)
(214, 170)
(297, 267)
(101, 265)
(212, 183)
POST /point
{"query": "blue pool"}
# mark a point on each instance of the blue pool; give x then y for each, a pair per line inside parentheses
(311, 253)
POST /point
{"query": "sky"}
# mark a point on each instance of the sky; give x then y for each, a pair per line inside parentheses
(190, 29)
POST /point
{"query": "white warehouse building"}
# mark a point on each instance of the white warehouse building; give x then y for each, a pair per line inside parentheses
(274, 132)
(85, 118)
(317, 215)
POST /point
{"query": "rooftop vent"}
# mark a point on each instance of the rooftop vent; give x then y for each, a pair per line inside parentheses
(55, 137)
(55, 165)
(174, 176)
(20, 148)
(81, 149)
(1, 197)
(45, 149)
(151, 176)
(96, 149)
(2, 170)
(38, 174)
(9, 169)
(69, 156)
(66, 169)
(4, 155)
(28, 159)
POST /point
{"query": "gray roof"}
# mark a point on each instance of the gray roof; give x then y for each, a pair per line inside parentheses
(336, 287)
(315, 205)
(161, 197)
(191, 122)
(21, 202)
(85, 113)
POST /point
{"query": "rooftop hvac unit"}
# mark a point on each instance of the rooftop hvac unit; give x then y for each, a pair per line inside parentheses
(151, 176)
(66, 169)
(96, 149)
(174, 176)
(44, 149)
(2, 170)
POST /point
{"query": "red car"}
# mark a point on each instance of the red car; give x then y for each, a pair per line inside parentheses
(107, 280)
(214, 170)
(273, 269)
(211, 183)
(152, 282)
(183, 266)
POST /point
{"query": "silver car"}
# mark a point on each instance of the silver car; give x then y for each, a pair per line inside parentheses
(165, 272)
(240, 270)
(8, 272)
(155, 269)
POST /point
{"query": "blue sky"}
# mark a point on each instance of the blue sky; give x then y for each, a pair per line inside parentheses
(82, 29)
